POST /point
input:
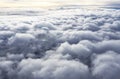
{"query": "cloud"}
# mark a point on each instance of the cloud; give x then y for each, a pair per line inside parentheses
(68, 42)
(106, 66)
(52, 69)
(76, 51)
(22, 43)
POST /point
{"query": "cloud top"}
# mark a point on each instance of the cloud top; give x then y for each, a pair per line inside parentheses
(64, 43)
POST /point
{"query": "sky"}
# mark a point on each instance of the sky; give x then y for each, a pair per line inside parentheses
(49, 3)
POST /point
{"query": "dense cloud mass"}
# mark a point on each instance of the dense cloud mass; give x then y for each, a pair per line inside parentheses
(64, 43)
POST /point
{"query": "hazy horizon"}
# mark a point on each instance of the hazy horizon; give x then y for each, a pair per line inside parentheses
(53, 3)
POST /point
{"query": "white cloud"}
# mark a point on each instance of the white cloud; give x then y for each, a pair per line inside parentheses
(68, 42)
(106, 66)
(52, 69)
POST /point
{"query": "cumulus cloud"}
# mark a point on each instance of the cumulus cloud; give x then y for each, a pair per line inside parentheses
(76, 51)
(73, 43)
(22, 43)
(106, 66)
(52, 69)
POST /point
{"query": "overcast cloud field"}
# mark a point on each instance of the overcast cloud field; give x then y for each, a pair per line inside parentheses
(68, 42)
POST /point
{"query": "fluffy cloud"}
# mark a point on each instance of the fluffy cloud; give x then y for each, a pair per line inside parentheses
(104, 46)
(76, 51)
(67, 42)
(106, 66)
(22, 43)
(52, 69)
(6, 70)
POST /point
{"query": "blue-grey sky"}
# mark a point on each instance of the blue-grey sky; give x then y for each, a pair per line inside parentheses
(47, 3)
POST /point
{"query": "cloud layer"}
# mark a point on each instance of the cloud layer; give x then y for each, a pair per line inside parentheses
(64, 43)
